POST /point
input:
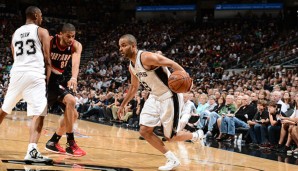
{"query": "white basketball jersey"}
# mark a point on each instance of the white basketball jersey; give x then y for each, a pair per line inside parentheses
(155, 81)
(28, 55)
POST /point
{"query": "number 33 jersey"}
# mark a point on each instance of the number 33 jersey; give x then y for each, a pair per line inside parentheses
(28, 54)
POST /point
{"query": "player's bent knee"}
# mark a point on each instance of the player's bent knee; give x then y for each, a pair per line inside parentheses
(145, 131)
(69, 100)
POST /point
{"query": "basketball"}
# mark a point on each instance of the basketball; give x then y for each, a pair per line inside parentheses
(180, 82)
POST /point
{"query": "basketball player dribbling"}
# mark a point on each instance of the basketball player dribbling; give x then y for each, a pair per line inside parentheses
(163, 106)
(30, 49)
(65, 62)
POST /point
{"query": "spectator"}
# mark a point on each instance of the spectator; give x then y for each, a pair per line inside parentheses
(258, 125)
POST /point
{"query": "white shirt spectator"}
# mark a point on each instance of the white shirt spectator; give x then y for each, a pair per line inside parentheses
(102, 72)
(117, 68)
(119, 79)
(106, 83)
(283, 106)
(79, 101)
(98, 85)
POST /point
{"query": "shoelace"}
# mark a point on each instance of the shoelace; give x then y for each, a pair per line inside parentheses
(35, 154)
(73, 146)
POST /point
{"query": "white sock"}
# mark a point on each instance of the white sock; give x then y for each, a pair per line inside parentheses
(31, 146)
(170, 155)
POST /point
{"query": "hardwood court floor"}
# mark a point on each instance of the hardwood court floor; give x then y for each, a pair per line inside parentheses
(110, 146)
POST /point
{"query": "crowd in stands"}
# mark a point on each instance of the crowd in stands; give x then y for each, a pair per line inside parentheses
(262, 101)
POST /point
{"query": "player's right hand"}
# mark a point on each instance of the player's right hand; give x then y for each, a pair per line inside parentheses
(72, 85)
(120, 112)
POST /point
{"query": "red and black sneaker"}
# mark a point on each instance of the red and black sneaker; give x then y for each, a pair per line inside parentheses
(73, 149)
(55, 147)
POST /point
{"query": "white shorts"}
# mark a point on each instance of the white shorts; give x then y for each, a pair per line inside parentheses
(29, 86)
(159, 111)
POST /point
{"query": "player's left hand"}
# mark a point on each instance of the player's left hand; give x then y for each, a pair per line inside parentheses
(72, 84)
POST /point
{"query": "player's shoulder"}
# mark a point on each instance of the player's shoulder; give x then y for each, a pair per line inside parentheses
(43, 30)
(76, 44)
(147, 54)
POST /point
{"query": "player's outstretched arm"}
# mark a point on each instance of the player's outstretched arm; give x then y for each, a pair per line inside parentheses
(134, 86)
(45, 39)
(154, 59)
(76, 59)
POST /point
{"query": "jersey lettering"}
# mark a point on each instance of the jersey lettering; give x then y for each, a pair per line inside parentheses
(60, 58)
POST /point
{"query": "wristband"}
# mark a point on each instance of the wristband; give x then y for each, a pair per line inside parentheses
(73, 78)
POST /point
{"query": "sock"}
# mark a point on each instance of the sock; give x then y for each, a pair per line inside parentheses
(70, 137)
(31, 146)
(170, 155)
(195, 136)
(55, 138)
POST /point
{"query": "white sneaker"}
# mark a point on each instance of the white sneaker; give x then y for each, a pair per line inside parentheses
(201, 134)
(34, 156)
(170, 165)
(198, 135)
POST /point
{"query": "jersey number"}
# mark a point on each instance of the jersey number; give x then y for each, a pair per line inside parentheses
(63, 64)
(30, 45)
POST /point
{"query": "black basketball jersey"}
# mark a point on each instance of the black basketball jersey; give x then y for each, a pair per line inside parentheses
(60, 56)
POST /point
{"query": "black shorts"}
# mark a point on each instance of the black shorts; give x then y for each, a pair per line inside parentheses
(57, 90)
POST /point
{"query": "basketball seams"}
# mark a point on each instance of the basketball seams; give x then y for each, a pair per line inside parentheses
(179, 82)
(173, 86)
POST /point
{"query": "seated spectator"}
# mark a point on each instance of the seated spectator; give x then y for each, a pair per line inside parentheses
(106, 84)
(83, 104)
(287, 123)
(229, 107)
(134, 120)
(258, 125)
(254, 99)
(238, 102)
(262, 95)
(277, 96)
(202, 104)
(188, 109)
(96, 109)
(220, 104)
(275, 125)
(204, 117)
(129, 109)
(286, 99)
(118, 100)
(193, 121)
(232, 121)
(108, 103)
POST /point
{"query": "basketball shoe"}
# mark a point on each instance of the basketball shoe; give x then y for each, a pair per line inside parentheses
(171, 163)
(73, 149)
(34, 156)
(54, 147)
(198, 136)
